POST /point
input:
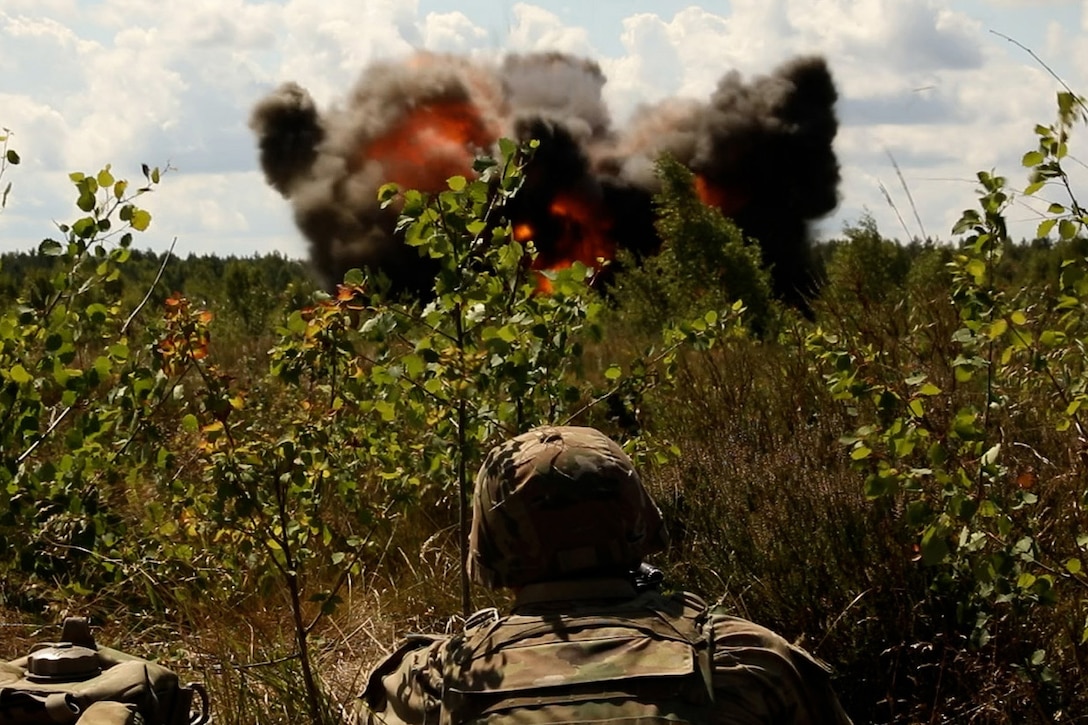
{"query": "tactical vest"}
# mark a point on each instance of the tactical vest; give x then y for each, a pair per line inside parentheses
(77, 682)
(646, 660)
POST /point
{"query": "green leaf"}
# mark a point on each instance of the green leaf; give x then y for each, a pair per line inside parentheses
(19, 375)
(507, 147)
(878, 485)
(50, 248)
(141, 219)
(1067, 229)
(860, 452)
(85, 201)
(413, 365)
(190, 424)
(1033, 158)
(456, 183)
(934, 546)
(105, 178)
(85, 228)
(1045, 227)
(965, 425)
(613, 372)
(96, 312)
(1051, 338)
(1073, 566)
(1066, 101)
(386, 410)
(13, 158)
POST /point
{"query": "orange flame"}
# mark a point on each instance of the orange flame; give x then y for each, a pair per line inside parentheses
(728, 200)
(523, 232)
(585, 227)
(430, 144)
(584, 236)
(437, 140)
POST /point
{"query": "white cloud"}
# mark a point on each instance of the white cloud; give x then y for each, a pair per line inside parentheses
(453, 33)
(128, 81)
(533, 28)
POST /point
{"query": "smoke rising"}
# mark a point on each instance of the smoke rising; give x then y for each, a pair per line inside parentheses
(761, 150)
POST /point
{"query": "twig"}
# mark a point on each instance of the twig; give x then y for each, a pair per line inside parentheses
(842, 614)
(906, 189)
(154, 284)
(891, 203)
(1047, 68)
(34, 446)
(268, 663)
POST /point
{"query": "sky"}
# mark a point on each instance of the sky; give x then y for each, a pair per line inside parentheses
(929, 85)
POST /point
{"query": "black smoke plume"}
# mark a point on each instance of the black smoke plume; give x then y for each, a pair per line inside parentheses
(762, 151)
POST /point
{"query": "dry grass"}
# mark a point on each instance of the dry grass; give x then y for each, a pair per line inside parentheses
(766, 516)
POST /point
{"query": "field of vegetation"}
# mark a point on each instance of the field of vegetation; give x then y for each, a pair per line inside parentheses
(263, 485)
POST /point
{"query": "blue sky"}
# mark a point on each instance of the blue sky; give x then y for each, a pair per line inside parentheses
(127, 82)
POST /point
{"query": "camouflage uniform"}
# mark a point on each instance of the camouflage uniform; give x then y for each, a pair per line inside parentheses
(561, 516)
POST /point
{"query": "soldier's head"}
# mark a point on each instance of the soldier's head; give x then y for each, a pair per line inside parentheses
(559, 503)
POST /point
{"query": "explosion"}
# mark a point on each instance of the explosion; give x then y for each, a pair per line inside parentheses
(761, 152)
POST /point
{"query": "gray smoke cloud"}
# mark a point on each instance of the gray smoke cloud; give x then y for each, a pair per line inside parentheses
(763, 150)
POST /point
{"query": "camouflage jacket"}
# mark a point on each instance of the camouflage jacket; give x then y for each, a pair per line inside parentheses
(596, 650)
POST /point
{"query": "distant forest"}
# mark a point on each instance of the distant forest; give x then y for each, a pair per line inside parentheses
(246, 290)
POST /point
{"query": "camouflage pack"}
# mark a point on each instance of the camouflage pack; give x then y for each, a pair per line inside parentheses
(647, 660)
(75, 681)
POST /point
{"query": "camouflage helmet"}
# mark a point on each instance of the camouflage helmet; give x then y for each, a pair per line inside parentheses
(558, 502)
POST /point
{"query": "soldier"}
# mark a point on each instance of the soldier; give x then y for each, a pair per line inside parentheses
(561, 518)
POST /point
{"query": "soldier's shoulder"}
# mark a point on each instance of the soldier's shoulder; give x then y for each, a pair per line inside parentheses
(677, 603)
(731, 628)
(747, 654)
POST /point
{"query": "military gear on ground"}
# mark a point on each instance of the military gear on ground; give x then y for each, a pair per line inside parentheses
(75, 681)
(609, 655)
(558, 502)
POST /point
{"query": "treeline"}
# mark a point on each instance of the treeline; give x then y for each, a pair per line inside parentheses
(874, 265)
(243, 292)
